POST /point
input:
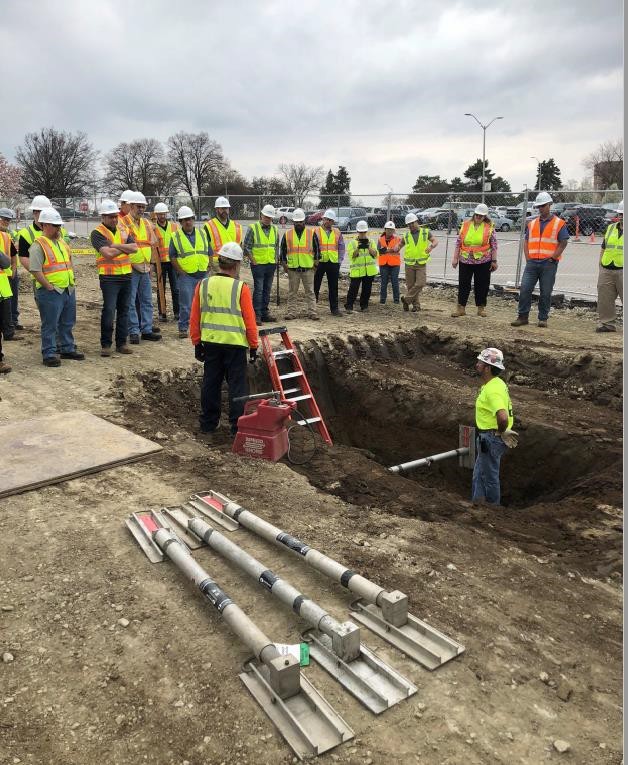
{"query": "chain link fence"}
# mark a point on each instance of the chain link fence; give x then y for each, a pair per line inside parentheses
(587, 214)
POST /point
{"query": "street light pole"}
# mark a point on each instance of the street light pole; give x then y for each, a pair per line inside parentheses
(484, 128)
(539, 171)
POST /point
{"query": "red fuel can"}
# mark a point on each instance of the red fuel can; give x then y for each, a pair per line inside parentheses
(262, 430)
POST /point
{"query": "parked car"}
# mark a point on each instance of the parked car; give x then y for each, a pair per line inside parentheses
(436, 217)
(349, 216)
(284, 214)
(592, 219)
(558, 208)
(313, 217)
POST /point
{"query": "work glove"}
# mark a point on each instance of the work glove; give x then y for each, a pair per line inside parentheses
(510, 438)
(252, 355)
(199, 352)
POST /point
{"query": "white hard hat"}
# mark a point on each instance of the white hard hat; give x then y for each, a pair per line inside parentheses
(40, 202)
(126, 196)
(298, 215)
(108, 207)
(330, 215)
(222, 202)
(184, 212)
(50, 215)
(160, 207)
(269, 211)
(410, 218)
(492, 356)
(138, 198)
(481, 209)
(389, 224)
(620, 207)
(6, 213)
(231, 250)
(361, 225)
(543, 198)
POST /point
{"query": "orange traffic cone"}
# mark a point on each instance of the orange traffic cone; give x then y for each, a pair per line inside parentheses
(592, 238)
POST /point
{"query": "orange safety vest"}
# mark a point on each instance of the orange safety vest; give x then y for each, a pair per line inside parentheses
(216, 237)
(389, 258)
(300, 252)
(121, 264)
(476, 251)
(543, 246)
(163, 245)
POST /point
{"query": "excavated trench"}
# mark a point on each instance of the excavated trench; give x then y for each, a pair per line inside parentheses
(390, 399)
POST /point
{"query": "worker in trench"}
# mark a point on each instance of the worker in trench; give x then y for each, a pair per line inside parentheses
(493, 422)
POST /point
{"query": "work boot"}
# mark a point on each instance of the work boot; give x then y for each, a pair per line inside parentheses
(124, 349)
(18, 326)
(460, 311)
(105, 352)
(406, 307)
(4, 368)
(258, 321)
(348, 309)
(74, 355)
(150, 336)
(183, 333)
(156, 329)
(606, 328)
(481, 310)
(134, 339)
(542, 324)
(416, 308)
(336, 313)
(268, 317)
(314, 317)
(52, 361)
(520, 321)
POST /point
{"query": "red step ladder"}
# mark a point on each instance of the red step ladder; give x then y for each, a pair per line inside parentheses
(287, 354)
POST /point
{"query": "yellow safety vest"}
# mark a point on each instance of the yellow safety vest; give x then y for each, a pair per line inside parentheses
(192, 258)
(164, 235)
(57, 265)
(121, 264)
(5, 247)
(329, 244)
(613, 253)
(264, 245)
(475, 240)
(362, 263)
(142, 233)
(30, 233)
(219, 234)
(299, 249)
(415, 253)
(221, 315)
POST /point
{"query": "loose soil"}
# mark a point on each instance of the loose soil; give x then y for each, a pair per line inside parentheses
(532, 589)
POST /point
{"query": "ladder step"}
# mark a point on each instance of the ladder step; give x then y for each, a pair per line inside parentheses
(291, 390)
(299, 398)
(308, 421)
(291, 374)
(286, 352)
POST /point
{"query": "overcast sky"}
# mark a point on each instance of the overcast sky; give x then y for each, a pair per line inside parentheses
(380, 86)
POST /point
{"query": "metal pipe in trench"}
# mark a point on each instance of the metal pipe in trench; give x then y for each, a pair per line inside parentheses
(428, 460)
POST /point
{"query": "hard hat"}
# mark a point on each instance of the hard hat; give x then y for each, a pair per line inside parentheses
(126, 196)
(492, 356)
(269, 211)
(481, 209)
(184, 212)
(389, 224)
(50, 215)
(543, 198)
(6, 213)
(108, 207)
(620, 208)
(222, 202)
(160, 207)
(330, 215)
(411, 218)
(231, 250)
(138, 198)
(39, 202)
(361, 226)
(298, 216)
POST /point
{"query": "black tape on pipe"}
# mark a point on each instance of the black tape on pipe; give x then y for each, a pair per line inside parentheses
(292, 543)
(346, 576)
(215, 595)
(268, 579)
(297, 603)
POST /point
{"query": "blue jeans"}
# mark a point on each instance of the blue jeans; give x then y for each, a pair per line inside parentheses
(263, 276)
(58, 317)
(543, 272)
(389, 273)
(14, 281)
(115, 300)
(140, 287)
(485, 483)
(187, 285)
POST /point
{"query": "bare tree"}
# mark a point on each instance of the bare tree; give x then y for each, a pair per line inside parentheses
(301, 179)
(606, 164)
(10, 181)
(56, 163)
(134, 165)
(196, 161)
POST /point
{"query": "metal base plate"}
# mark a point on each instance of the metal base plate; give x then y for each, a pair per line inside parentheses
(415, 638)
(209, 504)
(142, 525)
(374, 683)
(306, 721)
(178, 518)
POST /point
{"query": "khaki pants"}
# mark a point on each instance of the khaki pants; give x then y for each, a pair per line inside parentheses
(609, 288)
(307, 279)
(416, 279)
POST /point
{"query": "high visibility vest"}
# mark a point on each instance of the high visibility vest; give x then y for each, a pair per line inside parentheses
(5, 273)
(123, 222)
(415, 253)
(264, 245)
(613, 253)
(299, 249)
(475, 240)
(389, 258)
(328, 242)
(192, 257)
(30, 233)
(361, 262)
(57, 266)
(142, 233)
(164, 235)
(542, 247)
(219, 234)
(121, 264)
(221, 315)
